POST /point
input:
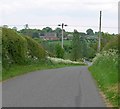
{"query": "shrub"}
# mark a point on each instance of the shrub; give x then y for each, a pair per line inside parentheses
(14, 47)
(17, 49)
(35, 50)
(59, 51)
(112, 44)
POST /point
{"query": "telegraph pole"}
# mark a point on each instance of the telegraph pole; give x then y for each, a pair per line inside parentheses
(99, 37)
(62, 31)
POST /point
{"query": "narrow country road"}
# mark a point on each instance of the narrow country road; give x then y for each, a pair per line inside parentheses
(62, 87)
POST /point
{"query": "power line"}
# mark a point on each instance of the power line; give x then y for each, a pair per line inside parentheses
(69, 26)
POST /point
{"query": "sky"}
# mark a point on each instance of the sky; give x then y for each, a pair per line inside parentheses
(77, 14)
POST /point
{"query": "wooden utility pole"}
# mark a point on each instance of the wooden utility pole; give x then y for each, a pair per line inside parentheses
(62, 32)
(99, 37)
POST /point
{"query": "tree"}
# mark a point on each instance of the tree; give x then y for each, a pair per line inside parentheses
(5, 26)
(47, 30)
(59, 51)
(35, 34)
(58, 32)
(14, 28)
(90, 32)
(75, 46)
(83, 47)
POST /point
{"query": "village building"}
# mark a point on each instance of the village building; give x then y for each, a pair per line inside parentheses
(50, 36)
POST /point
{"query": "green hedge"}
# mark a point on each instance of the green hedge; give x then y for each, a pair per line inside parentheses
(14, 47)
(17, 49)
(112, 44)
(34, 49)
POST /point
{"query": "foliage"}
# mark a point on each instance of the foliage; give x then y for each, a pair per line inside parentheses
(83, 47)
(112, 44)
(14, 47)
(105, 71)
(89, 32)
(16, 70)
(0, 53)
(59, 51)
(49, 47)
(34, 49)
(58, 32)
(59, 60)
(17, 49)
(0, 45)
(75, 46)
(47, 30)
(105, 39)
(35, 35)
(90, 54)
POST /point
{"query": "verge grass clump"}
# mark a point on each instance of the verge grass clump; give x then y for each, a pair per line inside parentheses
(105, 71)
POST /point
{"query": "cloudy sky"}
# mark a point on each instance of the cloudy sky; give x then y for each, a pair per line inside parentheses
(77, 14)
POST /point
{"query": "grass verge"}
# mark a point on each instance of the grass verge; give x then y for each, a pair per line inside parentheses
(16, 70)
(105, 72)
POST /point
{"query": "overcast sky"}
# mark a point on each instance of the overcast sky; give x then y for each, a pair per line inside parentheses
(77, 14)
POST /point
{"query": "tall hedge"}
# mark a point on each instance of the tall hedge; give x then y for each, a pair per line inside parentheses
(35, 49)
(14, 47)
(112, 44)
(17, 49)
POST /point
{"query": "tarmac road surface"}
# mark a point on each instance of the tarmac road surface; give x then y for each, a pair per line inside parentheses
(62, 87)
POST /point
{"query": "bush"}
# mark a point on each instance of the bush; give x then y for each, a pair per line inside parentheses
(112, 44)
(14, 47)
(35, 50)
(17, 49)
(59, 51)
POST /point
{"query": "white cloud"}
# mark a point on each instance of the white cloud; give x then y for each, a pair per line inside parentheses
(45, 12)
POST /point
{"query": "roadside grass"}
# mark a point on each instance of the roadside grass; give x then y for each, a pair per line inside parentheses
(105, 72)
(16, 70)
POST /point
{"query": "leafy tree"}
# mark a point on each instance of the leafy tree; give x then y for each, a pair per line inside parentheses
(58, 32)
(14, 28)
(35, 35)
(14, 48)
(106, 37)
(83, 47)
(47, 30)
(5, 26)
(112, 44)
(89, 32)
(75, 46)
(59, 51)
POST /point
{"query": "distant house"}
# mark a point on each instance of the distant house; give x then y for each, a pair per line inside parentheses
(50, 36)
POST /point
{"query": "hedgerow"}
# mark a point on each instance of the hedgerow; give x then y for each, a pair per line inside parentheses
(112, 44)
(17, 49)
(34, 49)
(105, 71)
(14, 47)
